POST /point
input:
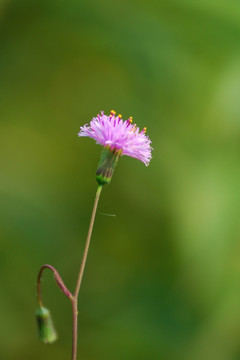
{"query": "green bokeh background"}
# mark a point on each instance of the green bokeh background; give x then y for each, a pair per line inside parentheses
(162, 280)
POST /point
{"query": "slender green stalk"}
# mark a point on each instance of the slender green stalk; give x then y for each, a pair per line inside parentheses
(73, 297)
(80, 276)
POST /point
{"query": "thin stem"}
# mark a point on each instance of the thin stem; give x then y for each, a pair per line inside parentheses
(80, 275)
(75, 328)
(58, 280)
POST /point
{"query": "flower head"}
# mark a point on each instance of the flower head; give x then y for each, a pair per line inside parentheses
(118, 135)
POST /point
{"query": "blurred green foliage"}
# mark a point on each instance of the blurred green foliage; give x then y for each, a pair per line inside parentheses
(163, 276)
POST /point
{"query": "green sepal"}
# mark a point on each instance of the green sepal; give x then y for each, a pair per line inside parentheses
(46, 331)
(107, 165)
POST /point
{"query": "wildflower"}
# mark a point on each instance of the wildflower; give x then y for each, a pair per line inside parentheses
(118, 138)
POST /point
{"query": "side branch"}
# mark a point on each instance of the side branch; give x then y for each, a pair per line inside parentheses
(58, 280)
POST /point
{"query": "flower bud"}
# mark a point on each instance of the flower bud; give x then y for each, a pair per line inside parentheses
(46, 331)
(107, 165)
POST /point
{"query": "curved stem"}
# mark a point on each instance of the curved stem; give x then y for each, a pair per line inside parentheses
(80, 275)
(58, 279)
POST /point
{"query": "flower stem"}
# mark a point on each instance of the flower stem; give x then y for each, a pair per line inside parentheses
(80, 275)
(58, 280)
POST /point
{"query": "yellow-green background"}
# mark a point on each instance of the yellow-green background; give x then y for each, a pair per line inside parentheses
(162, 280)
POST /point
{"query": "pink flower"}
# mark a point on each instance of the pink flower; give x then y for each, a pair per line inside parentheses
(111, 131)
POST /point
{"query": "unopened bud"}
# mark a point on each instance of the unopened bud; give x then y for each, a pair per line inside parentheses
(107, 165)
(46, 331)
